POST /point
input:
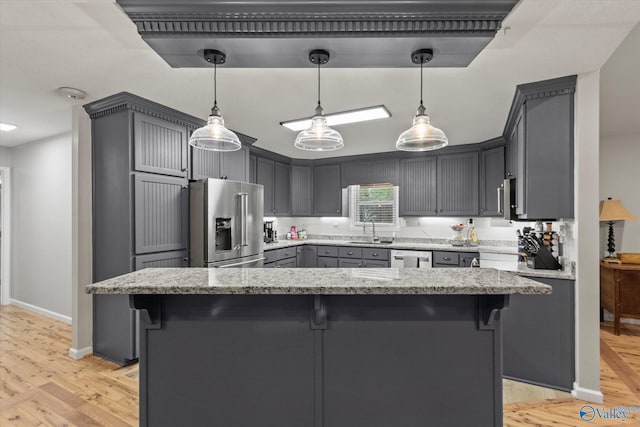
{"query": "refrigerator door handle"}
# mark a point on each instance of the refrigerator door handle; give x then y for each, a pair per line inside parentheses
(244, 197)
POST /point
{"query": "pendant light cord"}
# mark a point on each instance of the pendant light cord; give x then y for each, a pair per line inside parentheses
(215, 84)
(421, 90)
(318, 83)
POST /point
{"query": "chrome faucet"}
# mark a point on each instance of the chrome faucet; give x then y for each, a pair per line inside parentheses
(373, 228)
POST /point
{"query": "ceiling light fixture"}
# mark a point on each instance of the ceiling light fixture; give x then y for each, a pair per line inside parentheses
(319, 136)
(6, 127)
(214, 136)
(421, 136)
(71, 92)
(342, 118)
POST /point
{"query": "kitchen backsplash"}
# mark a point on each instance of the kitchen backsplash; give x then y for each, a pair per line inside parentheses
(490, 231)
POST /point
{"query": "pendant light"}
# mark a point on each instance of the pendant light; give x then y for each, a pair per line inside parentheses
(421, 136)
(214, 136)
(319, 136)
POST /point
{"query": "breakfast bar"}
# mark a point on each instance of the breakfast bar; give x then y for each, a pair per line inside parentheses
(320, 347)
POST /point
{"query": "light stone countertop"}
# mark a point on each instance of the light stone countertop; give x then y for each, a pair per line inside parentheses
(523, 270)
(396, 246)
(316, 281)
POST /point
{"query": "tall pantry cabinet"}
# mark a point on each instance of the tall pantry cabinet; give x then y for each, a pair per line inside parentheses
(140, 166)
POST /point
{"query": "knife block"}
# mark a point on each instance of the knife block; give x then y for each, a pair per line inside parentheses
(543, 260)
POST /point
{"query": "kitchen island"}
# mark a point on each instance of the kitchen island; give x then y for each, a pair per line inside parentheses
(320, 347)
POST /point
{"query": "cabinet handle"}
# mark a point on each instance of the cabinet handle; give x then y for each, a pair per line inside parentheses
(185, 259)
(440, 210)
(375, 254)
(349, 253)
(337, 210)
(327, 252)
(446, 258)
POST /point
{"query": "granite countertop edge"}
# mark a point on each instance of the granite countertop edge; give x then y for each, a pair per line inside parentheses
(310, 281)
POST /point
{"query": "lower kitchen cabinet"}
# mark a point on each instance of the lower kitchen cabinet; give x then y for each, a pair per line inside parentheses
(326, 262)
(374, 263)
(444, 259)
(286, 263)
(539, 336)
(307, 256)
(349, 263)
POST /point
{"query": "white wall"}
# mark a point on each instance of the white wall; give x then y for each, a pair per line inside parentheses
(6, 155)
(619, 179)
(41, 226)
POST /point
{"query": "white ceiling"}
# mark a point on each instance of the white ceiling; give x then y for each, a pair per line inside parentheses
(93, 46)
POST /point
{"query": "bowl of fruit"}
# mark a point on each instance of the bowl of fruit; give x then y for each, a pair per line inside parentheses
(456, 239)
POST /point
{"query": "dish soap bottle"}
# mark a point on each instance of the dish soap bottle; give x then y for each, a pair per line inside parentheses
(471, 233)
(393, 237)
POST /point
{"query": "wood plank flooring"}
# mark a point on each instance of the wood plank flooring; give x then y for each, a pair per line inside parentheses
(41, 386)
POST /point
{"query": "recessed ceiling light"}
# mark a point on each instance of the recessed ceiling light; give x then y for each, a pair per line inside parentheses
(71, 92)
(342, 118)
(6, 127)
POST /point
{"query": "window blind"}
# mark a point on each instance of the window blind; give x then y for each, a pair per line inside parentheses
(373, 202)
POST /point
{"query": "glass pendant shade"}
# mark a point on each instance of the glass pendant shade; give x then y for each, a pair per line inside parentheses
(421, 136)
(319, 136)
(214, 136)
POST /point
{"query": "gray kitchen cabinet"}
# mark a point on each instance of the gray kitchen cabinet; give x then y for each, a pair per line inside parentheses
(160, 146)
(253, 162)
(327, 262)
(286, 263)
(539, 336)
(466, 258)
(540, 129)
(491, 177)
(139, 167)
(442, 259)
(370, 172)
(307, 256)
(161, 213)
(232, 165)
(327, 192)
(162, 260)
(375, 254)
(349, 252)
(301, 190)
(511, 155)
(349, 263)
(417, 192)
(275, 178)
(269, 265)
(374, 263)
(457, 184)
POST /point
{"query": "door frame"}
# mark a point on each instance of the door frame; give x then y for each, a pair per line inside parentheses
(5, 243)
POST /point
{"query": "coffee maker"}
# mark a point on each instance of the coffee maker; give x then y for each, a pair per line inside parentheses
(269, 233)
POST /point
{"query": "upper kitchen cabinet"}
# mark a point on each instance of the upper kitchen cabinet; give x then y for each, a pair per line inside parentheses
(327, 192)
(301, 190)
(275, 177)
(160, 146)
(232, 165)
(375, 171)
(140, 166)
(540, 124)
(418, 186)
(492, 169)
(457, 184)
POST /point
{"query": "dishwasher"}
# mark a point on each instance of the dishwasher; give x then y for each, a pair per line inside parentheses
(410, 259)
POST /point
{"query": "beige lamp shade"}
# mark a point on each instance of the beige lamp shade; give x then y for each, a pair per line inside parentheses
(612, 210)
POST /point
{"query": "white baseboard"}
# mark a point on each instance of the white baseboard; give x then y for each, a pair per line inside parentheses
(587, 394)
(79, 353)
(608, 316)
(43, 311)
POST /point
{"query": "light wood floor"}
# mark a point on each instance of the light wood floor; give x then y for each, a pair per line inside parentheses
(40, 385)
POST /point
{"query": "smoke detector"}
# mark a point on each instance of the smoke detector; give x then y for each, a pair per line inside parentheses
(71, 92)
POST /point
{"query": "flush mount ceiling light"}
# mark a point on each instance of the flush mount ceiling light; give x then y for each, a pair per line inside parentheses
(6, 127)
(214, 136)
(319, 136)
(421, 136)
(342, 117)
(71, 92)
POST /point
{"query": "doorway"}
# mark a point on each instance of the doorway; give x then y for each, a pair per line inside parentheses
(5, 235)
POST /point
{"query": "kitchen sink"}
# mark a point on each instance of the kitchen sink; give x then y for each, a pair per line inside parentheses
(365, 242)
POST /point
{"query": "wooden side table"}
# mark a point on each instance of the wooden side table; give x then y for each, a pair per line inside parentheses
(620, 291)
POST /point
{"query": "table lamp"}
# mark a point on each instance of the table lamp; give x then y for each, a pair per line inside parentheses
(612, 210)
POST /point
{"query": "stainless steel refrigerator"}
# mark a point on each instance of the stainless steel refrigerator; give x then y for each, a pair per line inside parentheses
(225, 224)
